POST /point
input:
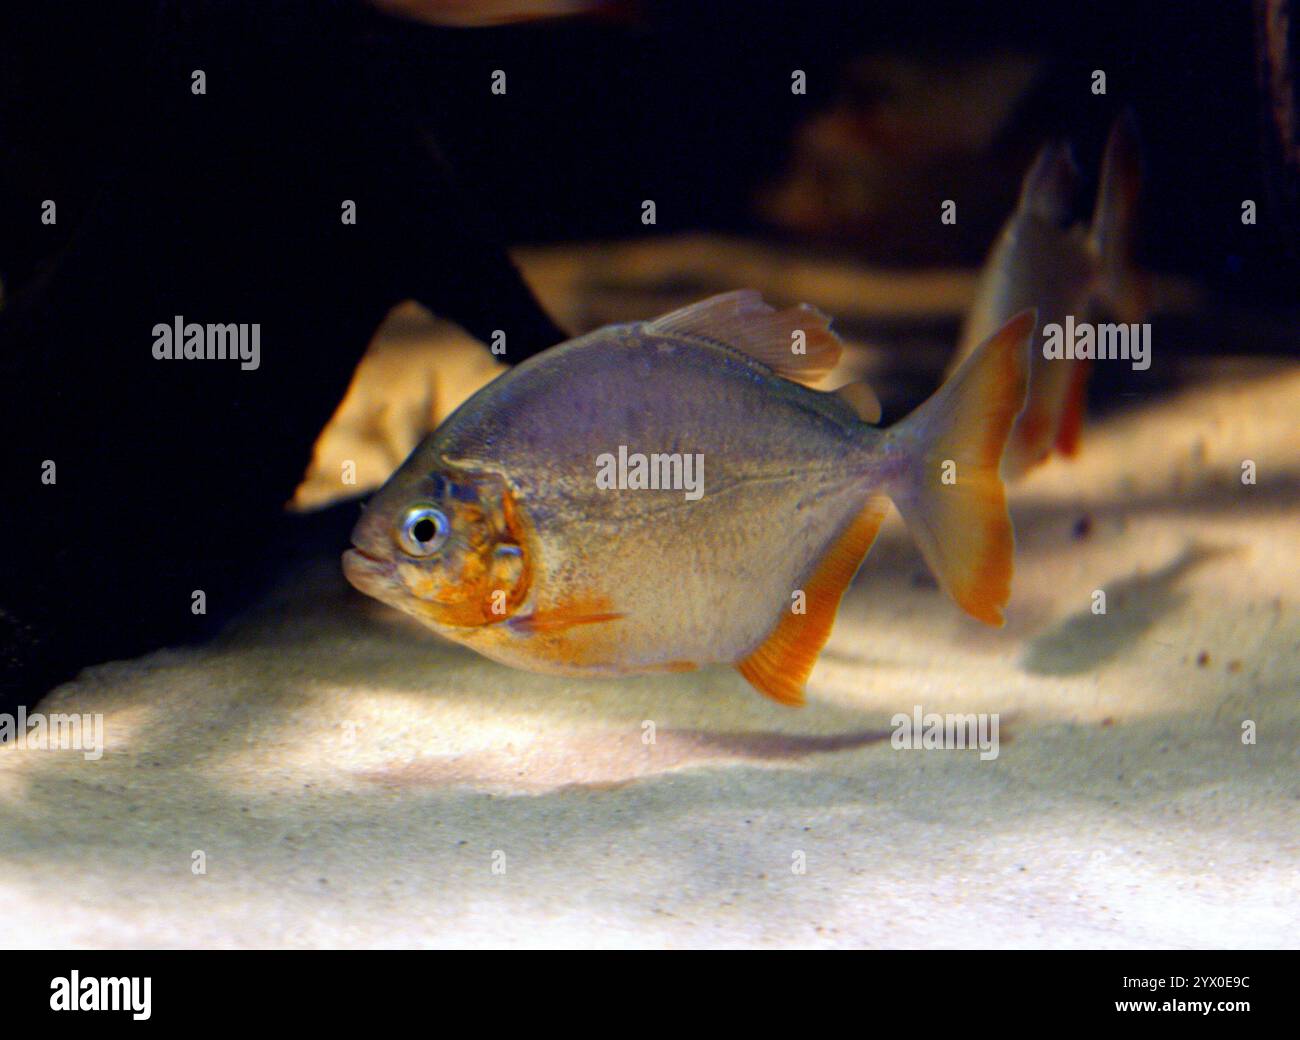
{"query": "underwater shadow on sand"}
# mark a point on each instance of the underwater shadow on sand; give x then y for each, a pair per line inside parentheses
(605, 761)
(1133, 605)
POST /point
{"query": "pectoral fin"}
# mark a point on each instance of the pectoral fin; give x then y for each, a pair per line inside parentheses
(780, 666)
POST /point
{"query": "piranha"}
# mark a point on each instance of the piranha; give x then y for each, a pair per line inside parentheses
(1044, 259)
(504, 531)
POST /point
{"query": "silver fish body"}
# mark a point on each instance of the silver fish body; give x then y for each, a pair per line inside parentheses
(507, 529)
(785, 469)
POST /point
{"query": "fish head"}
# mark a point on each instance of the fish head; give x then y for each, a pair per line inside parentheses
(444, 545)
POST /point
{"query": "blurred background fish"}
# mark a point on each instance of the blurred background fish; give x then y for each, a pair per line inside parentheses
(1044, 258)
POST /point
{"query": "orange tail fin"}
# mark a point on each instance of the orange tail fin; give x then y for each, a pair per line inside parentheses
(950, 492)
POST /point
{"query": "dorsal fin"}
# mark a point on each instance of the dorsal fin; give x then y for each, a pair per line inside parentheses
(780, 666)
(742, 321)
(862, 399)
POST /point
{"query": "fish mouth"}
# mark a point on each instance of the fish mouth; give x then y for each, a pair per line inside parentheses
(366, 572)
(369, 556)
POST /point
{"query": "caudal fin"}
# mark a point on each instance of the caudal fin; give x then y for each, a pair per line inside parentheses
(1122, 287)
(1058, 396)
(949, 490)
(1049, 188)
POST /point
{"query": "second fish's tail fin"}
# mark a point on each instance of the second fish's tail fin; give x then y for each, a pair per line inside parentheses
(948, 487)
(1123, 289)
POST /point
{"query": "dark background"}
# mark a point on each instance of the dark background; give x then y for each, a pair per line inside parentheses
(687, 103)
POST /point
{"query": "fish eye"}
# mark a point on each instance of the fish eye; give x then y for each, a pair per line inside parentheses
(423, 531)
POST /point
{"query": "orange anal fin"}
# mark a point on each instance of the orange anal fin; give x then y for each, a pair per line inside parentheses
(557, 621)
(780, 666)
(1076, 399)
